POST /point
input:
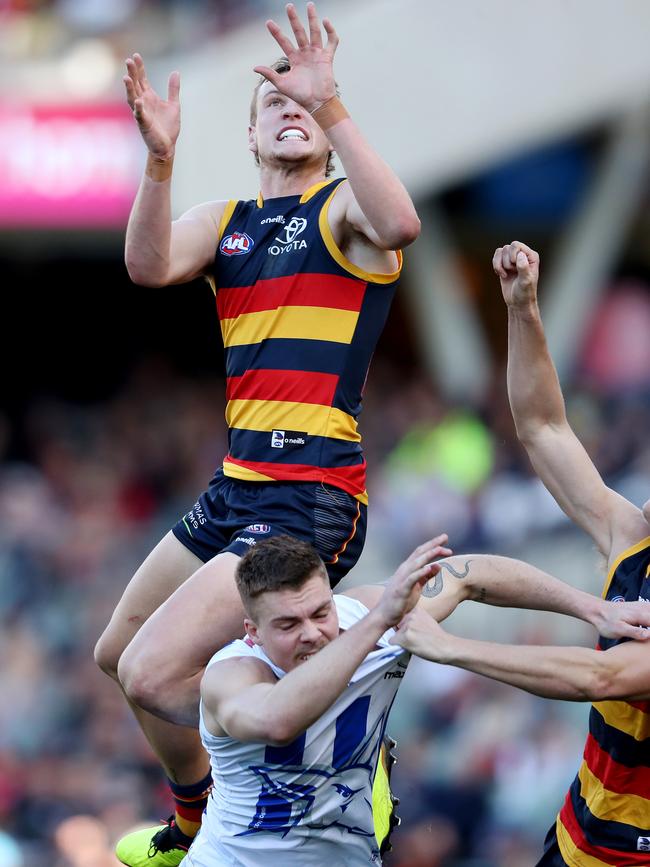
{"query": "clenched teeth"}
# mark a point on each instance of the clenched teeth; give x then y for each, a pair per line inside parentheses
(292, 134)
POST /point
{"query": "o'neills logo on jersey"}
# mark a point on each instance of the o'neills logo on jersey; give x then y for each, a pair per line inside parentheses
(282, 438)
(236, 244)
(287, 240)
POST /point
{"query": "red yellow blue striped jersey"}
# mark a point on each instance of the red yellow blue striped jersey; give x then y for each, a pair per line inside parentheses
(605, 819)
(299, 324)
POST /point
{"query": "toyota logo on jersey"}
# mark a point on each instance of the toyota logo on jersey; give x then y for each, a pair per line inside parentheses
(236, 244)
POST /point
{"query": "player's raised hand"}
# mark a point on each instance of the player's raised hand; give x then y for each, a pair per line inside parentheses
(517, 267)
(159, 120)
(310, 81)
(404, 588)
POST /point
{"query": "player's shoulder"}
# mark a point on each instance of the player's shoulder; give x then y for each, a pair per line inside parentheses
(207, 211)
(368, 594)
(236, 671)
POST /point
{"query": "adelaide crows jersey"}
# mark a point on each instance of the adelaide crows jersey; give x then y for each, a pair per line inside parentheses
(605, 820)
(307, 804)
(299, 325)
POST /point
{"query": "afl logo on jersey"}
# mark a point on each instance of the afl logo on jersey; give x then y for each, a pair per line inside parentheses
(236, 244)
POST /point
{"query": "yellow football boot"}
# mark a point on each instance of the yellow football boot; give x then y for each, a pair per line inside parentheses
(154, 847)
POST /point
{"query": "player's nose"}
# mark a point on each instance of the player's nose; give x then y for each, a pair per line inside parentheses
(292, 109)
(309, 632)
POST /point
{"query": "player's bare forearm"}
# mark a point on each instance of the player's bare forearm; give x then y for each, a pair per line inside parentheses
(380, 195)
(506, 582)
(568, 673)
(148, 234)
(510, 583)
(533, 387)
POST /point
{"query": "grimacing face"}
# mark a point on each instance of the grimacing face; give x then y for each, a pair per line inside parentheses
(292, 625)
(285, 132)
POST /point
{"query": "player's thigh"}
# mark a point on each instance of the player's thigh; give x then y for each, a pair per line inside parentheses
(164, 570)
(199, 618)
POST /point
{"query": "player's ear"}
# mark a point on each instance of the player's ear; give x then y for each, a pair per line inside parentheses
(252, 140)
(252, 631)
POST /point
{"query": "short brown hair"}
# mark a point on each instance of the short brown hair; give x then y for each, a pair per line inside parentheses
(282, 65)
(279, 563)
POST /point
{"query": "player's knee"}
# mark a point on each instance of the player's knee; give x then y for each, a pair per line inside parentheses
(107, 654)
(143, 679)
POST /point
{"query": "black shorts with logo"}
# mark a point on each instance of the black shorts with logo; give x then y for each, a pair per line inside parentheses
(232, 515)
(552, 856)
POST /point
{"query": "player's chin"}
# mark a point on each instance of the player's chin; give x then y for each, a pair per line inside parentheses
(294, 153)
(306, 655)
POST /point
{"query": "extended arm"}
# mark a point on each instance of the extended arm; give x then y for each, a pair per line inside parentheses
(570, 673)
(374, 203)
(510, 583)
(158, 251)
(538, 410)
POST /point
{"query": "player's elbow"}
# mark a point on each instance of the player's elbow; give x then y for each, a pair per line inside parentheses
(142, 275)
(404, 230)
(603, 681)
(281, 731)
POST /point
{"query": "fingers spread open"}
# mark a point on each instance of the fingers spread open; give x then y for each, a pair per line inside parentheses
(174, 86)
(296, 25)
(130, 90)
(315, 36)
(332, 37)
(132, 71)
(142, 75)
(268, 73)
(283, 41)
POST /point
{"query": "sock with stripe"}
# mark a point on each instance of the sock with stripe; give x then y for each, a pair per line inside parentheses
(189, 804)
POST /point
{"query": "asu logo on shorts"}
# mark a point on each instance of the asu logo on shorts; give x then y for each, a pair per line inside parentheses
(236, 244)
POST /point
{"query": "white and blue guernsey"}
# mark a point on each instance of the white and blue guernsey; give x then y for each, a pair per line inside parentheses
(307, 804)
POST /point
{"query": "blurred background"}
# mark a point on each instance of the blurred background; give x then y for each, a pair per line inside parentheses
(505, 120)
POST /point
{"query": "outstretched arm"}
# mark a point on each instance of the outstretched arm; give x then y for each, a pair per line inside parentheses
(570, 673)
(374, 203)
(538, 410)
(510, 583)
(159, 251)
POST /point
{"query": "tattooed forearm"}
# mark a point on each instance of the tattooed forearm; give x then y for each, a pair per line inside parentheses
(455, 572)
(434, 587)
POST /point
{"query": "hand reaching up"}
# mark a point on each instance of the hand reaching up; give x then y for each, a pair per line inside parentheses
(159, 120)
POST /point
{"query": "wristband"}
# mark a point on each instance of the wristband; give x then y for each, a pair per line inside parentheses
(159, 170)
(329, 113)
